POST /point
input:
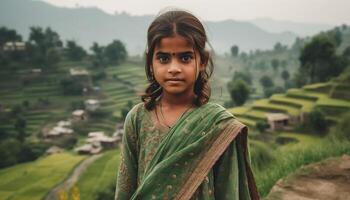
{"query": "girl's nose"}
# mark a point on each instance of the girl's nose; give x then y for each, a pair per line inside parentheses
(174, 67)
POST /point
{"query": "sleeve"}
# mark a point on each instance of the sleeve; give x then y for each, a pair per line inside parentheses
(232, 173)
(127, 175)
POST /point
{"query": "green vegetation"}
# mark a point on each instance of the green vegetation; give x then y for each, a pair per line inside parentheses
(99, 175)
(33, 180)
(295, 155)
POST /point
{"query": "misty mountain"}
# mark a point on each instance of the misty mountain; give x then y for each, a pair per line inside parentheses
(86, 25)
(301, 29)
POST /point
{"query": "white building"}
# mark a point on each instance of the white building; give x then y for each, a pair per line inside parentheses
(79, 115)
(14, 46)
(92, 104)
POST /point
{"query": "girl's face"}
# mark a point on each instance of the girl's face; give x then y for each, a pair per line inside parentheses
(175, 65)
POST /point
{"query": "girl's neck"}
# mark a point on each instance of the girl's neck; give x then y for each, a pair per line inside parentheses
(180, 100)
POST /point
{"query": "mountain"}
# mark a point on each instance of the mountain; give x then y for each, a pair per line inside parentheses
(86, 25)
(278, 26)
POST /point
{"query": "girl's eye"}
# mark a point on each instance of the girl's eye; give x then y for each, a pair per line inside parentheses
(163, 59)
(186, 58)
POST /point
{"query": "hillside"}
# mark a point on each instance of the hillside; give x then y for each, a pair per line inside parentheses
(331, 97)
(86, 25)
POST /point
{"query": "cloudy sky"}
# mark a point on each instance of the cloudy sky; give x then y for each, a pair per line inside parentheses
(333, 12)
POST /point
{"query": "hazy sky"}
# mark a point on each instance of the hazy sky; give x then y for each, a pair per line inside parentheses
(333, 12)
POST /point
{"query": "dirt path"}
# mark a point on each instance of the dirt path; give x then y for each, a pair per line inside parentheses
(70, 181)
(325, 180)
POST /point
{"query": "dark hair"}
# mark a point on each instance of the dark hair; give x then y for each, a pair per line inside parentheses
(182, 23)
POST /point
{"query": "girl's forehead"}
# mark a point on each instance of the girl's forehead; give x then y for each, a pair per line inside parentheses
(175, 43)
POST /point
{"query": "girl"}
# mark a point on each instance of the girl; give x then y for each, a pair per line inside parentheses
(176, 145)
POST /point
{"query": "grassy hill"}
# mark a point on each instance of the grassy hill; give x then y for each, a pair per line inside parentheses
(331, 97)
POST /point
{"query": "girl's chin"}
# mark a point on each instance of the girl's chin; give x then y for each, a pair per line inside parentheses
(175, 90)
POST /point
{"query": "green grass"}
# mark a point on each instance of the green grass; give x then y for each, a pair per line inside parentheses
(291, 158)
(99, 175)
(31, 181)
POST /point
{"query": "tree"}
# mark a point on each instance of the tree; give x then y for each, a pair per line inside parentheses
(279, 47)
(74, 52)
(239, 91)
(9, 150)
(317, 121)
(275, 64)
(115, 52)
(44, 46)
(20, 126)
(98, 59)
(245, 76)
(8, 35)
(319, 60)
(266, 81)
(285, 75)
(272, 90)
(234, 50)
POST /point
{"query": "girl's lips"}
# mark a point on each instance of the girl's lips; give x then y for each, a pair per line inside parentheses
(174, 79)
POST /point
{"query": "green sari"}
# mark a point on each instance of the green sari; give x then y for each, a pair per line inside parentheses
(203, 156)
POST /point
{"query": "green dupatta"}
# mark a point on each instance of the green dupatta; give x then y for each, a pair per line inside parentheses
(189, 151)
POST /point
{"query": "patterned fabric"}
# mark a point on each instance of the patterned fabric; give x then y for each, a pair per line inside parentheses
(203, 156)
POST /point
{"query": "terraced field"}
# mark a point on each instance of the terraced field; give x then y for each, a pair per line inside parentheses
(299, 101)
(31, 181)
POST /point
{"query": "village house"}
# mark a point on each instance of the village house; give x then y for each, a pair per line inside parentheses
(99, 137)
(277, 121)
(78, 72)
(14, 46)
(58, 131)
(79, 115)
(96, 142)
(89, 149)
(92, 104)
(36, 71)
(54, 150)
(61, 128)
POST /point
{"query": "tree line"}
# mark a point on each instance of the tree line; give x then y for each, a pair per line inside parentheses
(45, 48)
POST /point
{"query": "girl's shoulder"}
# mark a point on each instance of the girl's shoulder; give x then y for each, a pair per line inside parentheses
(135, 112)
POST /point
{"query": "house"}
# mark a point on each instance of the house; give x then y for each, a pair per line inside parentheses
(54, 150)
(277, 121)
(100, 138)
(78, 72)
(64, 123)
(14, 46)
(89, 149)
(36, 71)
(58, 131)
(92, 104)
(79, 115)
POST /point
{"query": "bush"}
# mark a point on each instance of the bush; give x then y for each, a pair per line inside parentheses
(9, 150)
(99, 76)
(317, 121)
(342, 129)
(261, 126)
(71, 86)
(272, 90)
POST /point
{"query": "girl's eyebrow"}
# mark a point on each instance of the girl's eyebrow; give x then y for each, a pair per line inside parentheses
(178, 53)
